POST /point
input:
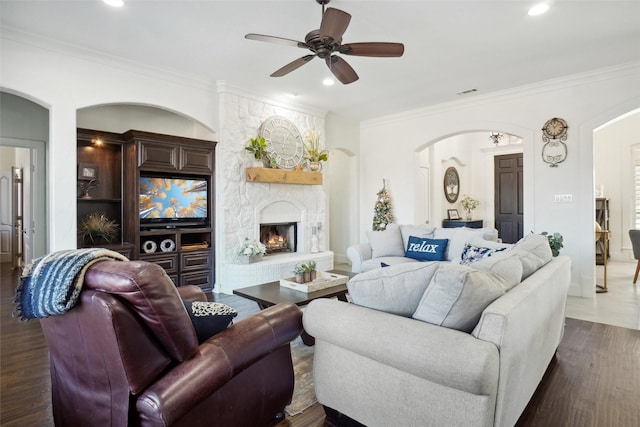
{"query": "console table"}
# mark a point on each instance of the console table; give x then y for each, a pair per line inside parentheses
(453, 223)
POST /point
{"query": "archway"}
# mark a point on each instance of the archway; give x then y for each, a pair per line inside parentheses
(471, 153)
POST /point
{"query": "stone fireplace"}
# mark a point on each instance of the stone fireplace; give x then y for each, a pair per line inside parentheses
(279, 237)
(260, 211)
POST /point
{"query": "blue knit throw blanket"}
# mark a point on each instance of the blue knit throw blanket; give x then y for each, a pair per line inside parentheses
(51, 284)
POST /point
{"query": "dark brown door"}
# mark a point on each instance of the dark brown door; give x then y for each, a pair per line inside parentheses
(508, 196)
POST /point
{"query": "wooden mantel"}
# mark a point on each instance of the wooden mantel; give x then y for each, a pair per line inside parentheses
(283, 176)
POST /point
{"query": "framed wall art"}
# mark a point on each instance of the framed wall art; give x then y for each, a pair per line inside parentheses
(451, 184)
(87, 172)
(453, 214)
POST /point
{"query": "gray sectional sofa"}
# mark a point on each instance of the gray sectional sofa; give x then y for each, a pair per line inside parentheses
(389, 246)
(440, 344)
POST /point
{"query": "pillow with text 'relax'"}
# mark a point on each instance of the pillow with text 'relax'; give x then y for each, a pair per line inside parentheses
(424, 249)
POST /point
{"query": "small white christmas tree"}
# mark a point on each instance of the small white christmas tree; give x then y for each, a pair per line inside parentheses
(382, 215)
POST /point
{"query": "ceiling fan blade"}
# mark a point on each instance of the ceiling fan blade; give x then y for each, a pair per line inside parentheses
(278, 40)
(341, 69)
(292, 66)
(334, 23)
(377, 49)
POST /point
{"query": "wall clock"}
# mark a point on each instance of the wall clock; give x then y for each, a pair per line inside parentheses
(284, 142)
(554, 128)
(554, 133)
(451, 184)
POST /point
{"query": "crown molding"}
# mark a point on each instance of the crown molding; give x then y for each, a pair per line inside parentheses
(97, 57)
(224, 86)
(631, 68)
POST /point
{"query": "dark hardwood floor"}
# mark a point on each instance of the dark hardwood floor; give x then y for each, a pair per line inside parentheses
(593, 382)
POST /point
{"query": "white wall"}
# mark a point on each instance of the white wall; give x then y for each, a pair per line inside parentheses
(121, 118)
(586, 101)
(66, 82)
(613, 146)
(343, 137)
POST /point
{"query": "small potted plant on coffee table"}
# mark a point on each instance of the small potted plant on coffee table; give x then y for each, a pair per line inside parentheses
(299, 271)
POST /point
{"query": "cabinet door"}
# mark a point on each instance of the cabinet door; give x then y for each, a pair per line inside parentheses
(157, 156)
(196, 160)
(168, 262)
(198, 278)
(195, 260)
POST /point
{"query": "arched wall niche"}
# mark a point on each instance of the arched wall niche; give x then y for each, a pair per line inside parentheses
(121, 117)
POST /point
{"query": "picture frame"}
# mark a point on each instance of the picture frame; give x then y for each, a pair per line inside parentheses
(453, 214)
(87, 172)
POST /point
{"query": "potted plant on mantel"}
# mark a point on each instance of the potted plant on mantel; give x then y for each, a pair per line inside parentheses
(313, 154)
(257, 147)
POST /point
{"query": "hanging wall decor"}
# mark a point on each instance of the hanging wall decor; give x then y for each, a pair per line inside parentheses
(451, 184)
(554, 134)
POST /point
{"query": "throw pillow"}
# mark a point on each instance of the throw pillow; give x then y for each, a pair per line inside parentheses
(457, 295)
(472, 253)
(424, 249)
(209, 318)
(395, 289)
(458, 237)
(506, 264)
(534, 252)
(415, 230)
(387, 242)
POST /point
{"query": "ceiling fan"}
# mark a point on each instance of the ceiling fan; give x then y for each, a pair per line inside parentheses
(327, 41)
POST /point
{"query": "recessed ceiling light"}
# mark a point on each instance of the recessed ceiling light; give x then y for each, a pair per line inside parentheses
(538, 9)
(328, 81)
(114, 3)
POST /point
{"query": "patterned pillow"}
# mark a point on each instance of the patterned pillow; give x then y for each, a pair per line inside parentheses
(426, 249)
(472, 253)
(209, 318)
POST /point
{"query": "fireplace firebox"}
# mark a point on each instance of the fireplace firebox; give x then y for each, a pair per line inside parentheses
(279, 237)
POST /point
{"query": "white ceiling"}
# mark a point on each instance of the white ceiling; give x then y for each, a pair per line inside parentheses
(450, 46)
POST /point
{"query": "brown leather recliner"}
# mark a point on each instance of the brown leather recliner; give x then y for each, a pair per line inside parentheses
(127, 354)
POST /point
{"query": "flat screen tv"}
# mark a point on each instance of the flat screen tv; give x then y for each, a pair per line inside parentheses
(166, 201)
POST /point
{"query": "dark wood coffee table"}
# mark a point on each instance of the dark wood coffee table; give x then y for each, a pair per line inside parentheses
(272, 293)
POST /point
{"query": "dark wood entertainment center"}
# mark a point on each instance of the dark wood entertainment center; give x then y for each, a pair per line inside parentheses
(117, 161)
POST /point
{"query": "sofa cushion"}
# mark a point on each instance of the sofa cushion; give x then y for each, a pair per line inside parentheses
(209, 318)
(472, 253)
(534, 252)
(457, 295)
(387, 242)
(373, 263)
(396, 289)
(415, 230)
(424, 249)
(505, 264)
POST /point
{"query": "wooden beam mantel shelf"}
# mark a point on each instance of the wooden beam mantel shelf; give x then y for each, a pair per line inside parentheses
(283, 176)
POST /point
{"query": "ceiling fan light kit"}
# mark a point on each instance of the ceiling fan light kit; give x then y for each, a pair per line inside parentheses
(326, 42)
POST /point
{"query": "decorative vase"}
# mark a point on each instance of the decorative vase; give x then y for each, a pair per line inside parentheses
(250, 259)
(312, 275)
(314, 166)
(469, 216)
(300, 278)
(307, 276)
